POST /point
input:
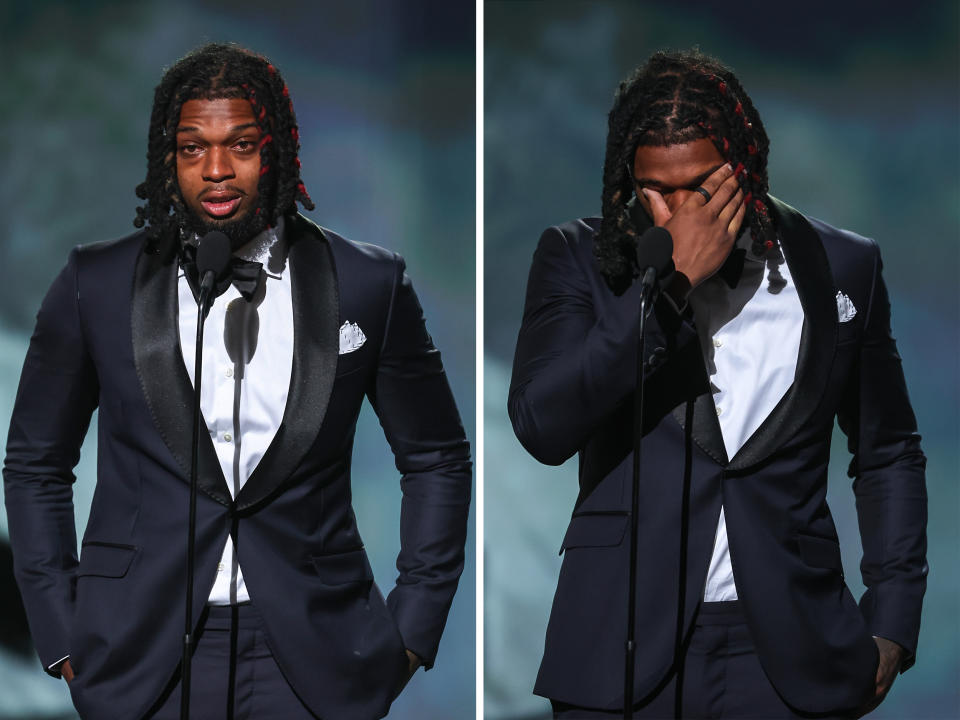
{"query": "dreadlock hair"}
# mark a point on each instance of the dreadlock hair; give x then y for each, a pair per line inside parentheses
(677, 98)
(215, 71)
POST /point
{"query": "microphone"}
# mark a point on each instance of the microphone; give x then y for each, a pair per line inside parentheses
(654, 258)
(213, 259)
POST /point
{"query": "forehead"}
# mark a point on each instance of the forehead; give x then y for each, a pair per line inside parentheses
(222, 114)
(676, 165)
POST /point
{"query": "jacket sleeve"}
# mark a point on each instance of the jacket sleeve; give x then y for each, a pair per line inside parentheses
(416, 409)
(574, 364)
(55, 400)
(888, 466)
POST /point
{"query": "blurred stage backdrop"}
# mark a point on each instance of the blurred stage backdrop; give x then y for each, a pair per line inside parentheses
(385, 98)
(861, 108)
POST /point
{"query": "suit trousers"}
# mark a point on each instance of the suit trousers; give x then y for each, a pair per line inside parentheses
(234, 675)
(720, 678)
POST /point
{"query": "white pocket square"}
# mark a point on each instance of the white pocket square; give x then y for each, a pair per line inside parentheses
(351, 337)
(845, 309)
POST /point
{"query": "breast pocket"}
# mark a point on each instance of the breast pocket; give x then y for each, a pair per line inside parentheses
(352, 363)
(848, 332)
(356, 350)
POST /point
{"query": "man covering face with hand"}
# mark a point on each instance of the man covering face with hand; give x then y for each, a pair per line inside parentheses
(767, 327)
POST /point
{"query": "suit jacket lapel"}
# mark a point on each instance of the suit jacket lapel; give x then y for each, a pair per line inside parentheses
(705, 428)
(316, 314)
(807, 260)
(163, 376)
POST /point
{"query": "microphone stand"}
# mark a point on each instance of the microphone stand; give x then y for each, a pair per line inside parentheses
(649, 279)
(203, 307)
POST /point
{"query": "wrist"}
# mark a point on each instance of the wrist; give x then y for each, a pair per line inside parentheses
(891, 647)
(678, 287)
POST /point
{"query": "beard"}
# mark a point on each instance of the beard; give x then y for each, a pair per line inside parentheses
(240, 230)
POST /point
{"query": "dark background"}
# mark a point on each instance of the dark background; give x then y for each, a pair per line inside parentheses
(861, 105)
(385, 97)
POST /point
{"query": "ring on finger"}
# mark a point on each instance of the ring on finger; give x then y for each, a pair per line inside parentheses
(703, 191)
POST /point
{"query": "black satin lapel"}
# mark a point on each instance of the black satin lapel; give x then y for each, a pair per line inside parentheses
(811, 274)
(705, 428)
(163, 377)
(316, 334)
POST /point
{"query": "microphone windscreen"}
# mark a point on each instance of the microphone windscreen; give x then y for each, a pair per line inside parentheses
(213, 253)
(655, 249)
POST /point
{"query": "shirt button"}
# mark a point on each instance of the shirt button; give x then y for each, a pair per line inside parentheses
(717, 342)
(719, 411)
(219, 567)
(229, 372)
(227, 437)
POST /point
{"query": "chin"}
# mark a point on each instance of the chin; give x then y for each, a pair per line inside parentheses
(239, 229)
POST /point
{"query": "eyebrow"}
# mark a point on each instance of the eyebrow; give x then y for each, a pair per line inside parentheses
(693, 183)
(235, 128)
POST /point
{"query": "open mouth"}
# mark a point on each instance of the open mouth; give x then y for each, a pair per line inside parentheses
(221, 206)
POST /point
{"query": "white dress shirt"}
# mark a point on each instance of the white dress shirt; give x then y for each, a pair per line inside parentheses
(247, 361)
(750, 336)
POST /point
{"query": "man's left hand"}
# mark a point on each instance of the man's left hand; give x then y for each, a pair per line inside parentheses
(416, 662)
(891, 658)
(413, 662)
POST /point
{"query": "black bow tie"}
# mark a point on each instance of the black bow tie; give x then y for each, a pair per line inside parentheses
(732, 268)
(245, 275)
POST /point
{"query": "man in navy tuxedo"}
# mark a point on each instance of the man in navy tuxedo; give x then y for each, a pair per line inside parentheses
(767, 326)
(290, 622)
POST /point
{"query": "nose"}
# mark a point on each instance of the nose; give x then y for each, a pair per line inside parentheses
(217, 166)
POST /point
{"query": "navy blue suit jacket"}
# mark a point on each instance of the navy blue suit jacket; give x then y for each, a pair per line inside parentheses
(107, 337)
(572, 388)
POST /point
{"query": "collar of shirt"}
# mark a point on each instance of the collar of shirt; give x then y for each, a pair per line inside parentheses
(269, 247)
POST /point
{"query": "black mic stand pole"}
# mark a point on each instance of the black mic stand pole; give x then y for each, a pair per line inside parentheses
(203, 307)
(649, 279)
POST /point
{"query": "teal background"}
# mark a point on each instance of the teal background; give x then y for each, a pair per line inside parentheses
(385, 97)
(861, 105)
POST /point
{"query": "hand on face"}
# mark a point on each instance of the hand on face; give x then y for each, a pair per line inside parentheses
(703, 232)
